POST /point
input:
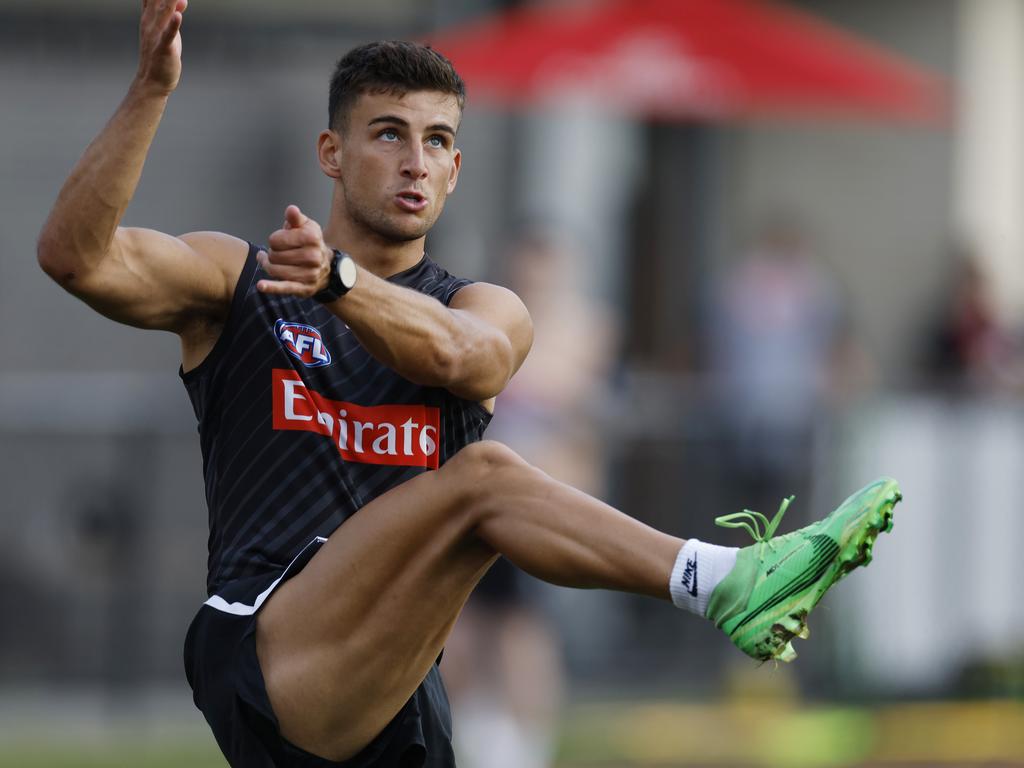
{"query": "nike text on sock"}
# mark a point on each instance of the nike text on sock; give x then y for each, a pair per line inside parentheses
(698, 570)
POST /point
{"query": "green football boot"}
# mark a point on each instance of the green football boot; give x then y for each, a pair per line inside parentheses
(762, 604)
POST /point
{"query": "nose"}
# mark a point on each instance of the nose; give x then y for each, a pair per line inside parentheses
(414, 164)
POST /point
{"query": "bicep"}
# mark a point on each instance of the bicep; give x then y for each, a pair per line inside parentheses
(158, 281)
(499, 334)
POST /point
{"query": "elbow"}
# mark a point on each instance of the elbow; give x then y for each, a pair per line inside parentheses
(476, 374)
(444, 364)
(48, 256)
(65, 264)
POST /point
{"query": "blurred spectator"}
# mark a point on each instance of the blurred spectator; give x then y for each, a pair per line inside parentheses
(504, 666)
(779, 351)
(969, 350)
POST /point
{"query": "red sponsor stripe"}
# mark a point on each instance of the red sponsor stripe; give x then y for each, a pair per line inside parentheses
(397, 435)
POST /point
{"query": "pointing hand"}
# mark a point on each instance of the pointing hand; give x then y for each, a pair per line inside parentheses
(298, 260)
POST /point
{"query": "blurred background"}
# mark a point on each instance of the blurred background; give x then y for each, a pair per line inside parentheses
(768, 248)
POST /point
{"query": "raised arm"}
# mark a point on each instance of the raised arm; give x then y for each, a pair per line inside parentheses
(471, 348)
(136, 276)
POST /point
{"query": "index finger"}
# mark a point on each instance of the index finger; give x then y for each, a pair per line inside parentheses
(285, 239)
(283, 288)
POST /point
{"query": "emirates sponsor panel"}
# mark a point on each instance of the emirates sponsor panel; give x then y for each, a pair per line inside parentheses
(399, 435)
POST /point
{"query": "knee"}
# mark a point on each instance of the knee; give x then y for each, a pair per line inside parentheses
(494, 483)
(484, 469)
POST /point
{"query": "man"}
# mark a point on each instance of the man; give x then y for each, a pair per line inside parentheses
(326, 385)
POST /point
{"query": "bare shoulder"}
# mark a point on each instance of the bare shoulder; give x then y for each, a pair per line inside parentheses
(488, 298)
(224, 252)
(220, 259)
(224, 256)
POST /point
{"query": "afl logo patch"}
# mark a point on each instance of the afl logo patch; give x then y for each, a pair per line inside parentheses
(303, 342)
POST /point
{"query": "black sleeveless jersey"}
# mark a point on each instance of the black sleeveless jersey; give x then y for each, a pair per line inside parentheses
(300, 426)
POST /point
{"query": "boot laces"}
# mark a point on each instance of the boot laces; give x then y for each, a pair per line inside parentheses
(760, 527)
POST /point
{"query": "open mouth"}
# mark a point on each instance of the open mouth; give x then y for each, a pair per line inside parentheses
(411, 200)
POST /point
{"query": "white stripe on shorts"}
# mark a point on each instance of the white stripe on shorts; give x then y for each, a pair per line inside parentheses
(241, 609)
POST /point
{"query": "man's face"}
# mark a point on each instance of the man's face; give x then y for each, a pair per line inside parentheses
(398, 161)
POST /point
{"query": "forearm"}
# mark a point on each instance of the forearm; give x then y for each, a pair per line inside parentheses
(81, 227)
(412, 333)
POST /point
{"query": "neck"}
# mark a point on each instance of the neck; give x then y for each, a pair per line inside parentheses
(376, 254)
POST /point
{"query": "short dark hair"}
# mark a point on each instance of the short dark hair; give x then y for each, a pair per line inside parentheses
(396, 67)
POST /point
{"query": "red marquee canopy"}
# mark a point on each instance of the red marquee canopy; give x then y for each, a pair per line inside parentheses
(684, 59)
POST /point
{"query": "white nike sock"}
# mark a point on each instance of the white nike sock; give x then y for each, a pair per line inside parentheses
(698, 570)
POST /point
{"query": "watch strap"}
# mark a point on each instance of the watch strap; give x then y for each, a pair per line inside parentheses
(335, 288)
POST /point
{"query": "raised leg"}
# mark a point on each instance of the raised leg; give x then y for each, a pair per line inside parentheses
(344, 643)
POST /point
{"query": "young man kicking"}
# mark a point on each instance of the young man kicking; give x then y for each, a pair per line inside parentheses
(342, 381)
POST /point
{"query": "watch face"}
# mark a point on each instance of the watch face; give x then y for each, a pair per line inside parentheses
(347, 272)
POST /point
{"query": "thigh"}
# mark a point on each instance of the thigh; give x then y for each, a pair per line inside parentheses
(344, 643)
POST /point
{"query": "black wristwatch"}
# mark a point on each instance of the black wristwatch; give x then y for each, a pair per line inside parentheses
(341, 280)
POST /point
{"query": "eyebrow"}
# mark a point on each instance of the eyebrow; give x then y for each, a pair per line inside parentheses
(395, 120)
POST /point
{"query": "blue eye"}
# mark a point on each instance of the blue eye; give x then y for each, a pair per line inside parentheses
(389, 135)
(436, 141)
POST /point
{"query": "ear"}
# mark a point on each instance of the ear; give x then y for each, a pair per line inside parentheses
(453, 174)
(328, 149)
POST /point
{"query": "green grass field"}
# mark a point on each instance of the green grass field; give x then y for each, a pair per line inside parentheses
(640, 735)
(122, 755)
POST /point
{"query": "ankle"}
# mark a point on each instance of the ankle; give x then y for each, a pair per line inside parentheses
(699, 568)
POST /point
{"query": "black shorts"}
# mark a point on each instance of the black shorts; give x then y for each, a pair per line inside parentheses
(227, 686)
